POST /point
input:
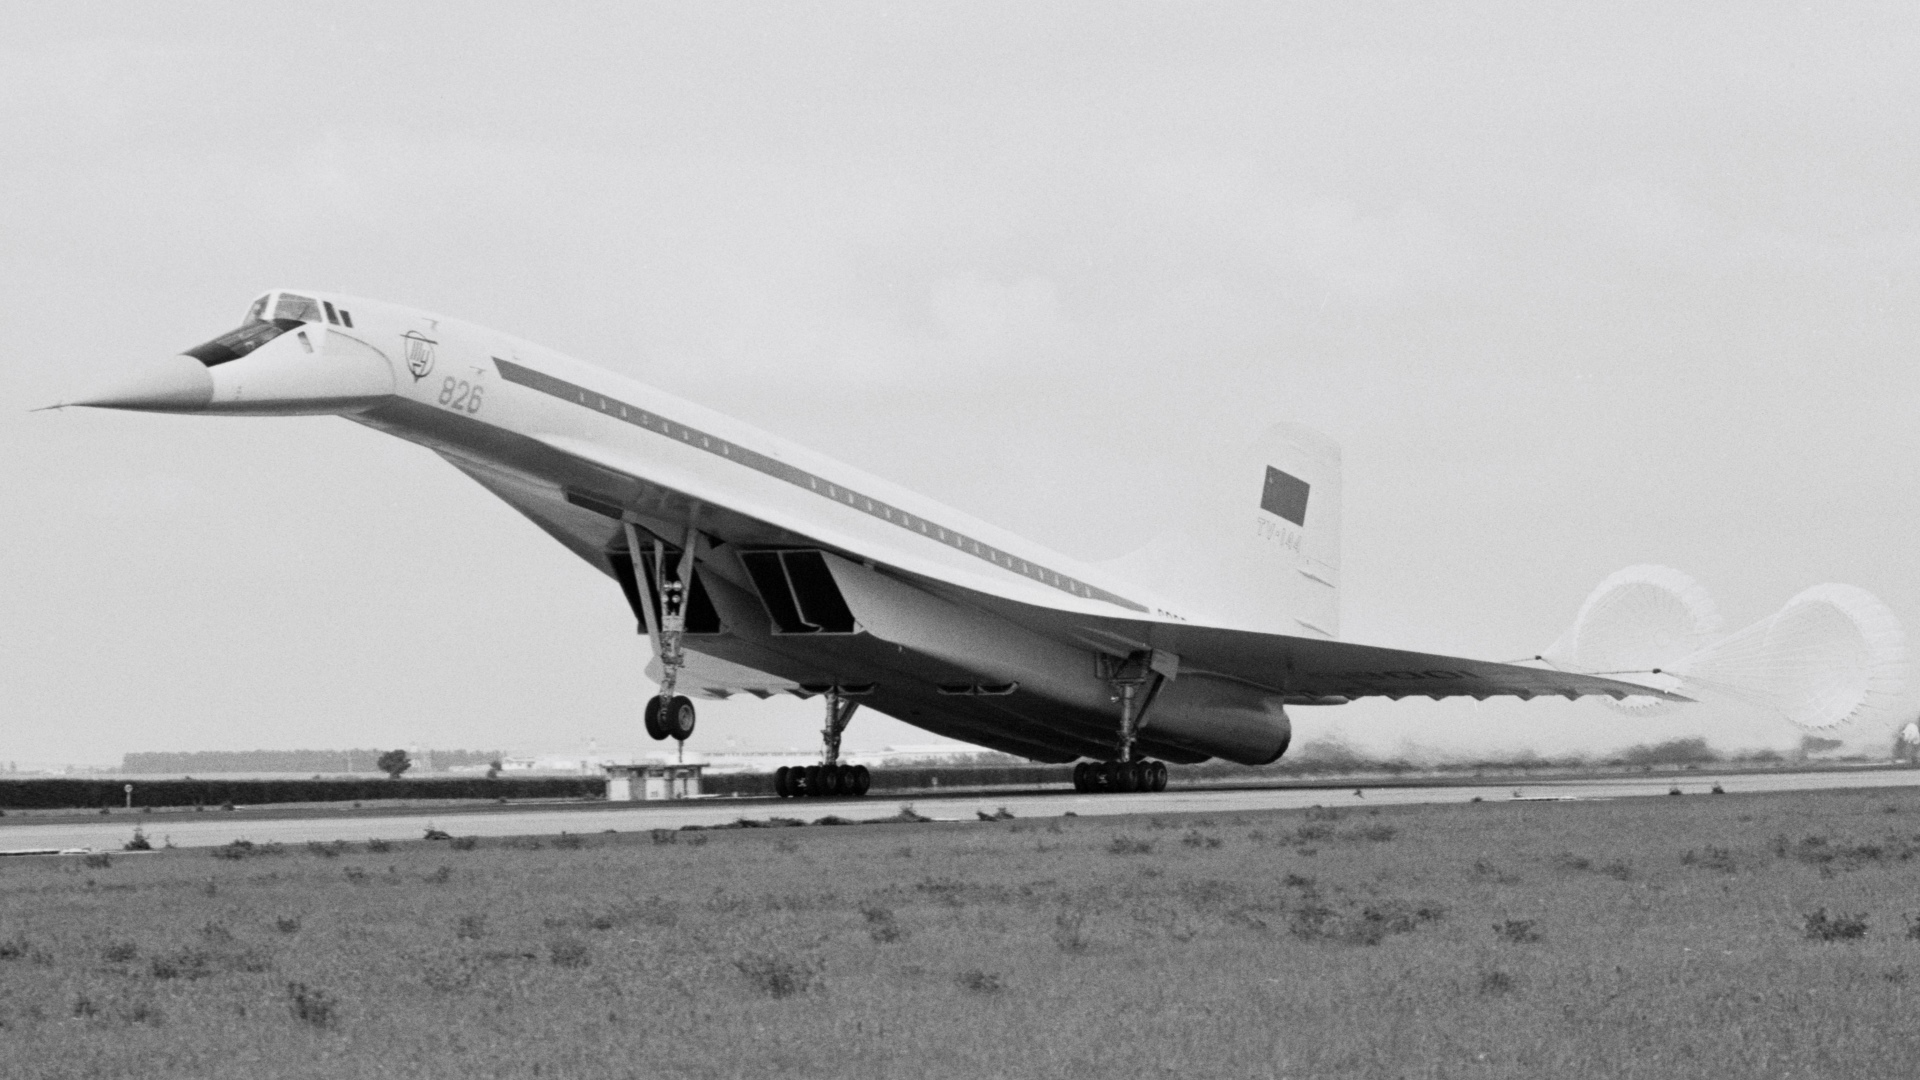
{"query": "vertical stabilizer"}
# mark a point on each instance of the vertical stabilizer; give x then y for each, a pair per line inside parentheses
(1260, 549)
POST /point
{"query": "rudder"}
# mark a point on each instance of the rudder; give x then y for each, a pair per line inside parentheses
(1261, 546)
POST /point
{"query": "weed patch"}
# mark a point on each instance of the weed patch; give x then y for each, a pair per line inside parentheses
(567, 952)
(1712, 858)
(1518, 932)
(1070, 930)
(980, 982)
(1354, 924)
(312, 1006)
(1128, 845)
(1820, 926)
(181, 964)
(882, 927)
(774, 975)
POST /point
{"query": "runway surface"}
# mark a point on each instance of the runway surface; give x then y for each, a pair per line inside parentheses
(276, 825)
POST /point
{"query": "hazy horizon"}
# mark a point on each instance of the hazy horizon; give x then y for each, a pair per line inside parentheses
(1573, 289)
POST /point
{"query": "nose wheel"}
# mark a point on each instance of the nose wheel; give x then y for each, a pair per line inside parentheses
(1104, 776)
(670, 718)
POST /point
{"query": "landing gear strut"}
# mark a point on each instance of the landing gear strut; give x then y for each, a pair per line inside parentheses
(1136, 680)
(832, 776)
(668, 715)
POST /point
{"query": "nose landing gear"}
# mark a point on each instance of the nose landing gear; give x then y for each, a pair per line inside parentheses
(831, 777)
(668, 715)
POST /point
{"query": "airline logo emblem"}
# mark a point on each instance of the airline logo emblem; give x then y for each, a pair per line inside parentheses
(1285, 496)
(419, 353)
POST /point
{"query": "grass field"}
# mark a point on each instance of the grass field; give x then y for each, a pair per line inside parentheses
(1737, 936)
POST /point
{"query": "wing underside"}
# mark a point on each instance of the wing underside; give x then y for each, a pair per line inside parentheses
(982, 667)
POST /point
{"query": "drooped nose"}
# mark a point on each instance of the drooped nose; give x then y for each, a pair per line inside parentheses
(175, 384)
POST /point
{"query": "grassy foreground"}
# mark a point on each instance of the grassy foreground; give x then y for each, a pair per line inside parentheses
(1737, 936)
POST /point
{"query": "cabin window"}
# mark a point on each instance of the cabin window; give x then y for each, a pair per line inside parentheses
(346, 318)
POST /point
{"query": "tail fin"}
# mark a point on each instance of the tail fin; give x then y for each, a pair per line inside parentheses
(1260, 549)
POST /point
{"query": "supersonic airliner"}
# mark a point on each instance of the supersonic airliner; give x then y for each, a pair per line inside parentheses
(756, 566)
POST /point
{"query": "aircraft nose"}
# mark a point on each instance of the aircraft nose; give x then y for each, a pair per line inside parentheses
(175, 384)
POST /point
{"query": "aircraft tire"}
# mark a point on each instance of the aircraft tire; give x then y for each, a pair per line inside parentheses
(1125, 776)
(655, 729)
(830, 777)
(862, 780)
(679, 719)
(780, 787)
(1159, 776)
(814, 783)
(1080, 769)
(1142, 775)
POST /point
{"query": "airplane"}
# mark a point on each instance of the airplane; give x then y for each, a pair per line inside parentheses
(754, 565)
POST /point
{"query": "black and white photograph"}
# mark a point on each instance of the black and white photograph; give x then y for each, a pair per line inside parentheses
(1054, 540)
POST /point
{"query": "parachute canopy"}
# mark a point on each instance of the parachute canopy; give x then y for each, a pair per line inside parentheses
(1830, 654)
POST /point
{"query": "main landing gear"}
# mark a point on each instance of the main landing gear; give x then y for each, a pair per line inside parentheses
(831, 777)
(1136, 680)
(668, 715)
(1101, 776)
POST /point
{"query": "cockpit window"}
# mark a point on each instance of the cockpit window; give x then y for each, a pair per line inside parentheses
(296, 307)
(258, 312)
(235, 344)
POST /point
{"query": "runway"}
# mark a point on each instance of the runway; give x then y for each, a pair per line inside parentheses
(284, 826)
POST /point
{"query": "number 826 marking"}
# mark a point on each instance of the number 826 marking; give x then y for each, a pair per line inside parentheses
(458, 395)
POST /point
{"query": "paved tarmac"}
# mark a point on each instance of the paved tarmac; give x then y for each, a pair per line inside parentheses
(286, 826)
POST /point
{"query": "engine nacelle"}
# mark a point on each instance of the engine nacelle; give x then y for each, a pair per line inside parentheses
(1220, 718)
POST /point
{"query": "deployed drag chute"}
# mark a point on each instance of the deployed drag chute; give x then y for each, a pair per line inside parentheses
(1830, 655)
(1641, 621)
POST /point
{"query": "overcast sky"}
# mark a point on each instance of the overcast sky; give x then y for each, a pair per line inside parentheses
(1574, 287)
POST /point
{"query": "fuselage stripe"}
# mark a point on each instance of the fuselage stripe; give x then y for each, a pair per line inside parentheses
(780, 470)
